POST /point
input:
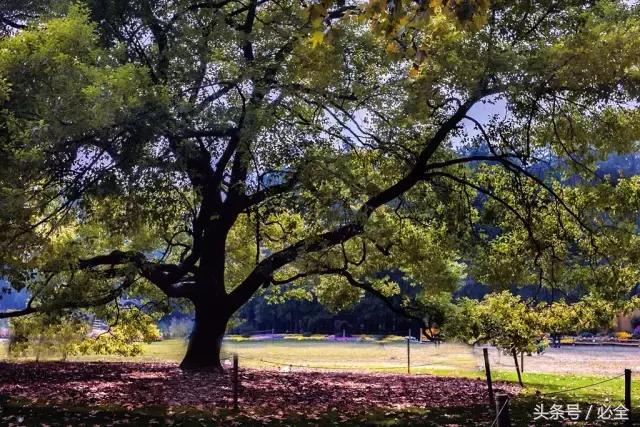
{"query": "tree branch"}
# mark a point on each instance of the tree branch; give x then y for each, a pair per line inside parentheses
(70, 305)
(264, 270)
(169, 278)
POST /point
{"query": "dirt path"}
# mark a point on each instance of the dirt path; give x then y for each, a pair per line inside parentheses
(600, 360)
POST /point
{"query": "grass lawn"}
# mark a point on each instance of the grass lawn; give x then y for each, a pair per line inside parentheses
(386, 356)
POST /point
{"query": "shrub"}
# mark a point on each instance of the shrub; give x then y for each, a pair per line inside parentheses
(40, 335)
(622, 336)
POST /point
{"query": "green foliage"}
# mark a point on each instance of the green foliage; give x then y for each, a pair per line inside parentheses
(42, 335)
(336, 294)
(58, 86)
(221, 149)
(131, 329)
(500, 319)
(512, 324)
(67, 334)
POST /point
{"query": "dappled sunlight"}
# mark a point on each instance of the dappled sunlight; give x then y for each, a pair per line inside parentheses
(262, 392)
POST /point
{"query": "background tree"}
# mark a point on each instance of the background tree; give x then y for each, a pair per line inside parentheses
(65, 334)
(207, 150)
(43, 334)
(516, 326)
(502, 320)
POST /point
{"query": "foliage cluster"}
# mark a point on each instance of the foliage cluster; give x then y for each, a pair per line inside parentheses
(212, 151)
(518, 326)
(68, 334)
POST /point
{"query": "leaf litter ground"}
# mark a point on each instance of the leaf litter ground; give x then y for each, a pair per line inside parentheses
(265, 395)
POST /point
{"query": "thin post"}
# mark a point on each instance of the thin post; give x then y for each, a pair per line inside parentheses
(627, 395)
(408, 355)
(487, 370)
(420, 335)
(522, 362)
(502, 410)
(235, 382)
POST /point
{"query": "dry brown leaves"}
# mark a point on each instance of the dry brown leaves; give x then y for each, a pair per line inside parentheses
(263, 393)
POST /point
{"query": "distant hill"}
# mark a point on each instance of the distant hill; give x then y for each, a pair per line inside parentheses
(620, 165)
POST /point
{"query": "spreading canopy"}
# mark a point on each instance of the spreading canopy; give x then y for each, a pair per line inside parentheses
(209, 149)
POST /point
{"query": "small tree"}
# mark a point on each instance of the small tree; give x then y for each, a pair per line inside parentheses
(41, 334)
(22, 329)
(68, 334)
(516, 326)
(505, 321)
(125, 336)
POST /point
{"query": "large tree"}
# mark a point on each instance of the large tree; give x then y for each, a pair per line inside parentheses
(205, 150)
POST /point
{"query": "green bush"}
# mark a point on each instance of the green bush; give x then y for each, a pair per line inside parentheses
(40, 335)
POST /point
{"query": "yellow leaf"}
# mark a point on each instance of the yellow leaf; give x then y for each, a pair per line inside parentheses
(317, 37)
(393, 47)
(479, 20)
(316, 22)
(404, 20)
(435, 4)
(414, 71)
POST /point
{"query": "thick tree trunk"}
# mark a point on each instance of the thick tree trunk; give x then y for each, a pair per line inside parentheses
(205, 342)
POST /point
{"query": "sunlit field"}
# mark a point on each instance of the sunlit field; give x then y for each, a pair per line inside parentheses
(389, 355)
(284, 354)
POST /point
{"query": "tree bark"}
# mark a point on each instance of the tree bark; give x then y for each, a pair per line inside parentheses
(205, 341)
(515, 360)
